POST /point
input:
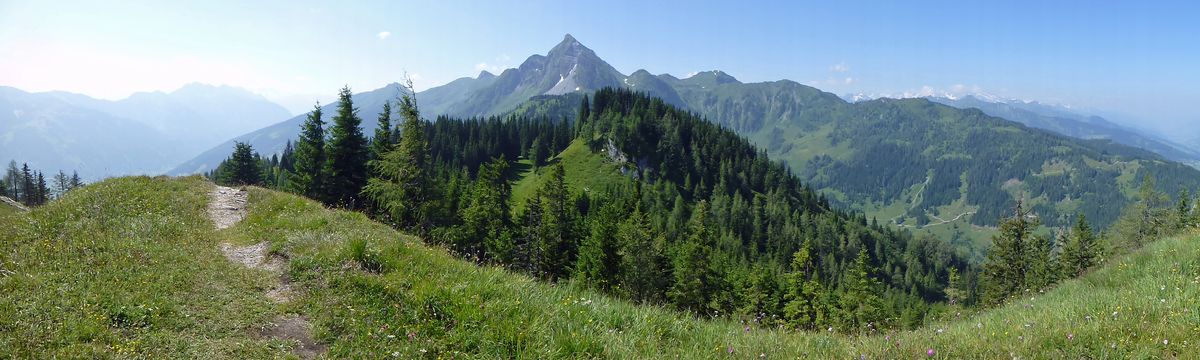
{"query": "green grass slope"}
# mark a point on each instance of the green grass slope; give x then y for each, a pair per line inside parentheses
(584, 170)
(130, 267)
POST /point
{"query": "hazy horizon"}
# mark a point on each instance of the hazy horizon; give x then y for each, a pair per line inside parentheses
(1106, 58)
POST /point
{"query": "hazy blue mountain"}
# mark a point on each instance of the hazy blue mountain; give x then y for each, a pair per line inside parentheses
(53, 134)
(1064, 121)
(273, 138)
(195, 117)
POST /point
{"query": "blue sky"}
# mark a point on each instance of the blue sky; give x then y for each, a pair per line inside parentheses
(1136, 58)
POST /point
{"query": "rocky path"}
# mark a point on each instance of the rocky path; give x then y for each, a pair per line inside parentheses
(227, 207)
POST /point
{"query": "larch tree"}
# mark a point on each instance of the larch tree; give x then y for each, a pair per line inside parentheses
(401, 186)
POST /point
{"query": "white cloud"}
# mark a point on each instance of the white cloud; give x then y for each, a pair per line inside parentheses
(383, 35)
(839, 68)
(848, 80)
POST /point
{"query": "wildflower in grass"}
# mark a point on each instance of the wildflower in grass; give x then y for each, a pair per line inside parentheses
(1165, 342)
(930, 353)
(729, 350)
(1070, 336)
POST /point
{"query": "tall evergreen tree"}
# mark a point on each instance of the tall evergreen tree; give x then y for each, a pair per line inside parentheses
(805, 308)
(1081, 250)
(1043, 267)
(309, 178)
(381, 143)
(41, 189)
(859, 303)
(76, 182)
(486, 216)
(555, 233)
(28, 186)
(1006, 267)
(243, 167)
(1183, 210)
(346, 162)
(644, 269)
(599, 263)
(401, 187)
(696, 281)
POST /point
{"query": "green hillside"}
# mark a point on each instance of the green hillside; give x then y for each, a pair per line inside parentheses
(588, 171)
(132, 268)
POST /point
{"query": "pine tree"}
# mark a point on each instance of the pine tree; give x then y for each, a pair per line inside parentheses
(805, 308)
(401, 185)
(644, 269)
(696, 282)
(1005, 270)
(309, 178)
(1080, 251)
(243, 167)
(599, 263)
(346, 162)
(381, 143)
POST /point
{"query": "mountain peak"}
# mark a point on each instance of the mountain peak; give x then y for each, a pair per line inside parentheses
(485, 75)
(569, 47)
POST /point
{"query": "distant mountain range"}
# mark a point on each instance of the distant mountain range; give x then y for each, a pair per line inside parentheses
(1066, 121)
(146, 133)
(914, 161)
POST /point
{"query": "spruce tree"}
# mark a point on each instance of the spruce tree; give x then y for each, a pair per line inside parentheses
(599, 264)
(76, 182)
(243, 167)
(1183, 210)
(805, 308)
(346, 154)
(859, 303)
(696, 282)
(1043, 267)
(1081, 250)
(400, 187)
(381, 143)
(42, 190)
(644, 270)
(485, 217)
(1006, 267)
(555, 238)
(309, 178)
(28, 186)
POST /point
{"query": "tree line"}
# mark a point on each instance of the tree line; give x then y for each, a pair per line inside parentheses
(1020, 261)
(31, 187)
(704, 222)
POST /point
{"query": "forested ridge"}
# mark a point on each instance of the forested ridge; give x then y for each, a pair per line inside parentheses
(697, 218)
